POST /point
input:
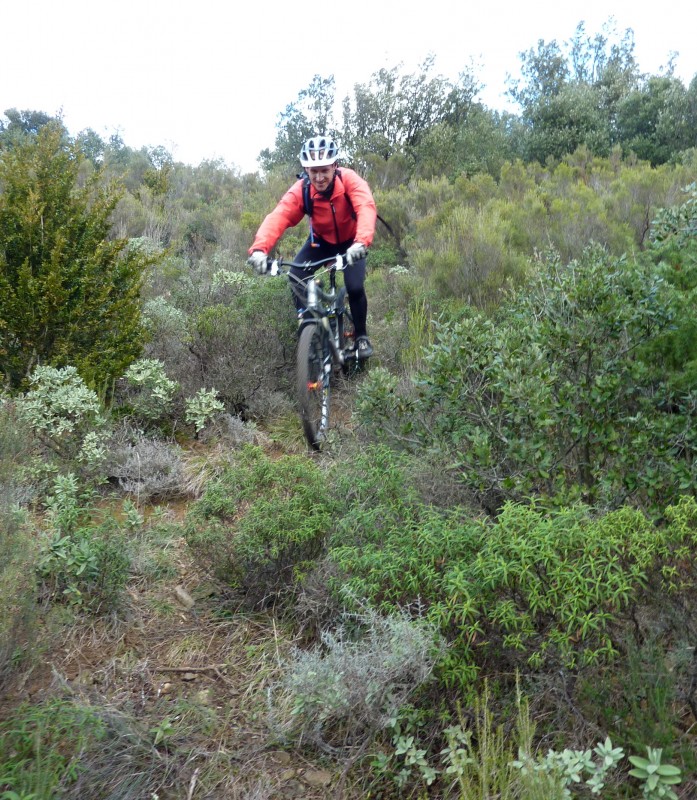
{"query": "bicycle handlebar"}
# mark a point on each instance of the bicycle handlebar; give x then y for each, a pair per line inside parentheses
(276, 265)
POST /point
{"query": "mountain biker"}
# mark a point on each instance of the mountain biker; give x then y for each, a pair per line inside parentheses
(342, 220)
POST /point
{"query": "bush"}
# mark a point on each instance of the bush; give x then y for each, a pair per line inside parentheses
(17, 450)
(558, 395)
(69, 291)
(262, 523)
(467, 255)
(534, 590)
(234, 334)
(80, 562)
(149, 392)
(349, 687)
(67, 419)
(144, 466)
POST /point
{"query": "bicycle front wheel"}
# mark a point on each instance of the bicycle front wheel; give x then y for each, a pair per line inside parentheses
(313, 373)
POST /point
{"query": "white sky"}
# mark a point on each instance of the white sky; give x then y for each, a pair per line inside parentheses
(208, 78)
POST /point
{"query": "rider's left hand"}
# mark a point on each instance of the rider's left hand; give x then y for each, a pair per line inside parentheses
(356, 252)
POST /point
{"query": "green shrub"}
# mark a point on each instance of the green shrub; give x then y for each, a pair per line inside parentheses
(235, 334)
(262, 523)
(81, 562)
(558, 395)
(69, 290)
(201, 408)
(534, 590)
(466, 254)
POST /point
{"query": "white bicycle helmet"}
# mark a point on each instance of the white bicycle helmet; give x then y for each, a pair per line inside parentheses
(320, 151)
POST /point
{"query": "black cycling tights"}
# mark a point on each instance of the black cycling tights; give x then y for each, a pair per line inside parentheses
(354, 278)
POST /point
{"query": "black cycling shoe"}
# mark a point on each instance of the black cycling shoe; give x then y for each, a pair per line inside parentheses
(364, 347)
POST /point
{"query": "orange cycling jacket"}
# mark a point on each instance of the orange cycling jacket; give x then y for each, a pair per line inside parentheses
(352, 219)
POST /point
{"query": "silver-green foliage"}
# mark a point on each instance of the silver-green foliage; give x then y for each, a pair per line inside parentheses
(154, 393)
(657, 777)
(145, 466)
(481, 759)
(351, 685)
(67, 417)
(202, 407)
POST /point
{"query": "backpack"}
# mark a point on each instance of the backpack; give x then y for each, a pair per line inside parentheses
(308, 202)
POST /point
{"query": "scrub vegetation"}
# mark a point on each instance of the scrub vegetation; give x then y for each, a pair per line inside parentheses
(484, 584)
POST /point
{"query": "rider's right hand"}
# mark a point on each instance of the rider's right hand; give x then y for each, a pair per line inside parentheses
(259, 262)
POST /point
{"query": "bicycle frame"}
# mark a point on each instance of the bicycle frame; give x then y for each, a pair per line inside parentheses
(326, 308)
(321, 349)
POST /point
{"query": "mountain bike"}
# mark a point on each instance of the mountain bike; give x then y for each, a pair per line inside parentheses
(326, 342)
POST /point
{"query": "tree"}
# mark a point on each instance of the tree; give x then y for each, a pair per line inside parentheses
(654, 121)
(69, 295)
(310, 114)
(563, 123)
(22, 122)
(570, 93)
(393, 112)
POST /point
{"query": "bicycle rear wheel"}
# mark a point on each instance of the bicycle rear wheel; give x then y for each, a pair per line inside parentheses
(313, 373)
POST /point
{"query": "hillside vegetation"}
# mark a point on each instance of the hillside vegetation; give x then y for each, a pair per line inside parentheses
(484, 585)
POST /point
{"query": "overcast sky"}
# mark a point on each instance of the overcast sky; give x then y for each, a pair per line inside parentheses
(208, 79)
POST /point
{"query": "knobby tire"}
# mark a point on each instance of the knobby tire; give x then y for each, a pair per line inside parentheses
(313, 383)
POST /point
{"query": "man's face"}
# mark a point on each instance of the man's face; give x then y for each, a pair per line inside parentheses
(321, 177)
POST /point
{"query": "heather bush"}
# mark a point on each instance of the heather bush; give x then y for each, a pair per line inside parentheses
(466, 253)
(17, 449)
(145, 467)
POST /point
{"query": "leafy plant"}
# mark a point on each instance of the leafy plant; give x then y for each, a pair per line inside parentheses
(262, 523)
(657, 777)
(201, 408)
(155, 392)
(80, 561)
(532, 589)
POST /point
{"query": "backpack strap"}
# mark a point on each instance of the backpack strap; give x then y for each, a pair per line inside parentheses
(308, 203)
